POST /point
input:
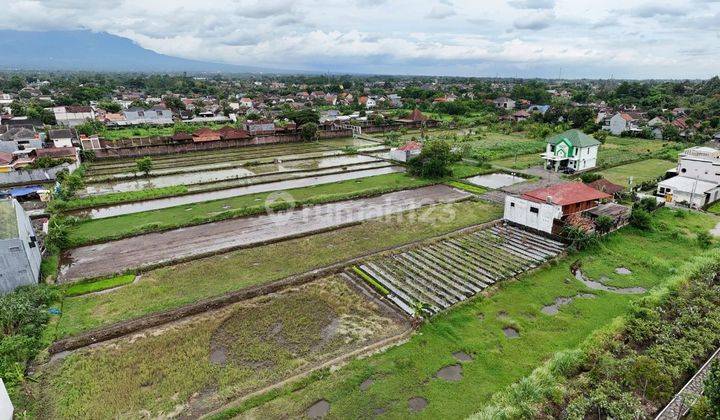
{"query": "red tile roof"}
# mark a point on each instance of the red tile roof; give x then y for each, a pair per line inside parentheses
(411, 145)
(606, 186)
(5, 158)
(565, 194)
(56, 152)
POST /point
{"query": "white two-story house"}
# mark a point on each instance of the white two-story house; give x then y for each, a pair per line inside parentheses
(572, 151)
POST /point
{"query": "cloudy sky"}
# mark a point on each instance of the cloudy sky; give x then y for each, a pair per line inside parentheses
(525, 38)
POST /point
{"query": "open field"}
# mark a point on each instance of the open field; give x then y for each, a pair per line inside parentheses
(180, 244)
(198, 363)
(642, 171)
(174, 286)
(482, 328)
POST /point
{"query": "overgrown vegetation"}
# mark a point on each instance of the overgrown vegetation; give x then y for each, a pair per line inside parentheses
(23, 316)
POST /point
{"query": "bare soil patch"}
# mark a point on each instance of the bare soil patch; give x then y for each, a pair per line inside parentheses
(452, 373)
(417, 404)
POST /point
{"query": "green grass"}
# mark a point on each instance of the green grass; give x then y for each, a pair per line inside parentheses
(519, 162)
(476, 328)
(100, 230)
(370, 280)
(174, 286)
(50, 263)
(78, 289)
(123, 197)
(474, 189)
(642, 171)
(264, 341)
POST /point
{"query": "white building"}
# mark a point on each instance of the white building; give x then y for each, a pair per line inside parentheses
(504, 103)
(542, 209)
(63, 137)
(73, 115)
(19, 251)
(622, 122)
(698, 180)
(406, 152)
(6, 407)
(572, 150)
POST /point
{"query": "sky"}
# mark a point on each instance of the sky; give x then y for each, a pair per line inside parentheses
(514, 38)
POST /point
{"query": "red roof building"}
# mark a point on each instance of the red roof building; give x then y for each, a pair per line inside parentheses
(410, 146)
(572, 196)
(603, 185)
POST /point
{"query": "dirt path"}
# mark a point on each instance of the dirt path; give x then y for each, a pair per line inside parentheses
(176, 245)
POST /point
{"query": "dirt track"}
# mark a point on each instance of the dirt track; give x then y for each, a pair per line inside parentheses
(176, 245)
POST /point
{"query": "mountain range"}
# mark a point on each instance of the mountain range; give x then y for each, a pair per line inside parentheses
(97, 51)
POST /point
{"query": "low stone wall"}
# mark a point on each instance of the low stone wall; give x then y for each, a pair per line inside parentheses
(160, 146)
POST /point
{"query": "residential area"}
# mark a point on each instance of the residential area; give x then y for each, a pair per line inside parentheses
(309, 246)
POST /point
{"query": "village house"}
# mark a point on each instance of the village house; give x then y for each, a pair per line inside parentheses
(571, 151)
(63, 137)
(262, 126)
(504, 103)
(19, 250)
(406, 152)
(72, 116)
(698, 178)
(545, 209)
(19, 137)
(622, 122)
(156, 115)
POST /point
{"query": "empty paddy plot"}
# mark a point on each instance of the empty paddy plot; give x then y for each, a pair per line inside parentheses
(190, 367)
(166, 247)
(436, 276)
(645, 170)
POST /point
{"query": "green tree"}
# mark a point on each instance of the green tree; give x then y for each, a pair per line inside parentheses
(110, 106)
(309, 131)
(144, 165)
(433, 161)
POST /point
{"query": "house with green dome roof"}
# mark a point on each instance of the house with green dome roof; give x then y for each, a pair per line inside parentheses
(571, 151)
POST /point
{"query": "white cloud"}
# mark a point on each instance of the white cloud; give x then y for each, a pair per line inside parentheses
(631, 38)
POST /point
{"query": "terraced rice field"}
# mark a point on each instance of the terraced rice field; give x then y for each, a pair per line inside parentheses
(437, 275)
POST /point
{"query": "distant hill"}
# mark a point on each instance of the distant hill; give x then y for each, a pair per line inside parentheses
(96, 51)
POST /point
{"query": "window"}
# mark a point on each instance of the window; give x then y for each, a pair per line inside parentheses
(512, 204)
(14, 249)
(534, 210)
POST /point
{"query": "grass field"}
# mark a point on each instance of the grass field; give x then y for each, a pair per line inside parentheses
(642, 171)
(215, 356)
(94, 230)
(476, 328)
(615, 151)
(174, 286)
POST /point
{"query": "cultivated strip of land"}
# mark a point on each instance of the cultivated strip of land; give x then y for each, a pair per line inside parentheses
(166, 247)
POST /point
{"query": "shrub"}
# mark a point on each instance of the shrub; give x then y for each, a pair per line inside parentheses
(648, 204)
(640, 218)
(433, 161)
(590, 177)
(579, 238)
(144, 165)
(712, 389)
(704, 239)
(23, 315)
(603, 224)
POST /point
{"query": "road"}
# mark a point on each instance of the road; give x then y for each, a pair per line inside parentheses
(180, 244)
